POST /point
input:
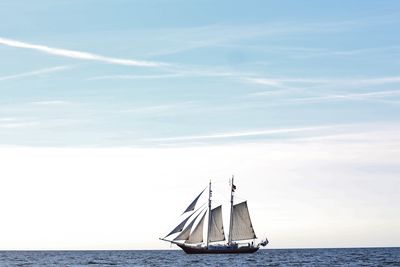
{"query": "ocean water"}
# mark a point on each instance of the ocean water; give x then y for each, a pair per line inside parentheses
(264, 257)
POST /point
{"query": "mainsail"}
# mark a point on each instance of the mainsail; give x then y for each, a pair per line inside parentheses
(197, 235)
(241, 223)
(217, 227)
(193, 204)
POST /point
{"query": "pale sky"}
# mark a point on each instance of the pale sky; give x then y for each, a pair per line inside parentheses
(115, 114)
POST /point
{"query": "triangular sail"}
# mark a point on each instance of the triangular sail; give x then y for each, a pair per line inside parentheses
(179, 228)
(193, 204)
(241, 223)
(217, 227)
(197, 235)
(184, 235)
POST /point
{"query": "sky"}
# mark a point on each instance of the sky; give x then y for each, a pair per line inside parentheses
(115, 114)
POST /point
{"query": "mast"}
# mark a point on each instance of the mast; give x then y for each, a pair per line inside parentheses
(233, 187)
(209, 214)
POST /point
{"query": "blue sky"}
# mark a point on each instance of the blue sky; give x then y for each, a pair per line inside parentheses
(156, 71)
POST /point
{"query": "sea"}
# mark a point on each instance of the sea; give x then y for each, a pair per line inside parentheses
(264, 257)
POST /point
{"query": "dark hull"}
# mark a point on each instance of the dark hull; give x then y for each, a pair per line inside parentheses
(221, 250)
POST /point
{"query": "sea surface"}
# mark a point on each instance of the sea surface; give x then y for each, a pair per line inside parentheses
(264, 257)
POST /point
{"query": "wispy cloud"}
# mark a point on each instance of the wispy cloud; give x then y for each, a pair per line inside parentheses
(337, 133)
(178, 71)
(157, 109)
(376, 96)
(135, 77)
(17, 124)
(244, 133)
(374, 81)
(79, 54)
(52, 103)
(34, 73)
(281, 82)
(7, 119)
(349, 52)
(348, 96)
(301, 86)
(185, 39)
(265, 81)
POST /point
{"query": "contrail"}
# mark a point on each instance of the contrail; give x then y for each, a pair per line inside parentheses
(79, 54)
(33, 73)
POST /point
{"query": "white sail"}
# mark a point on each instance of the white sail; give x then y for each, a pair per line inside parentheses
(241, 223)
(179, 228)
(184, 235)
(217, 227)
(197, 235)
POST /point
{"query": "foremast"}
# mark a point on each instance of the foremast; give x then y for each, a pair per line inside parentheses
(233, 187)
(209, 215)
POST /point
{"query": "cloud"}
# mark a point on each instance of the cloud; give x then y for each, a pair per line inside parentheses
(157, 109)
(355, 96)
(341, 133)
(135, 77)
(245, 133)
(34, 73)
(265, 81)
(280, 82)
(374, 81)
(220, 35)
(350, 52)
(178, 71)
(15, 125)
(7, 119)
(52, 103)
(307, 86)
(79, 54)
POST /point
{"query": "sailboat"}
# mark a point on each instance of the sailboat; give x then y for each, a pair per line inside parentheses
(189, 234)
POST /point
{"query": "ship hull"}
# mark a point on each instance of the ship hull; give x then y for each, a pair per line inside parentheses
(217, 250)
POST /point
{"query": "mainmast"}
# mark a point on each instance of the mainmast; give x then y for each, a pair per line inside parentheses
(209, 214)
(233, 187)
